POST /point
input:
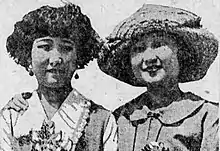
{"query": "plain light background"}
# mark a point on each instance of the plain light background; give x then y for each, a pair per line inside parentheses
(104, 15)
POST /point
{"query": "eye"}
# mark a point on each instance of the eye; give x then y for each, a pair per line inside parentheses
(46, 47)
(66, 48)
(157, 44)
(138, 49)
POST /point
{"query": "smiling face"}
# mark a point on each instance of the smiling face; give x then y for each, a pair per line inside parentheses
(53, 61)
(154, 59)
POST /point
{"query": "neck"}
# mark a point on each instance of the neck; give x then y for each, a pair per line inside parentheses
(54, 96)
(163, 95)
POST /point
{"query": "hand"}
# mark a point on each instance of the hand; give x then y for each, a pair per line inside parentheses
(18, 102)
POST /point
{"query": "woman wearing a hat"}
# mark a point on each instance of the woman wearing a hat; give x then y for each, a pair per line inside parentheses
(158, 47)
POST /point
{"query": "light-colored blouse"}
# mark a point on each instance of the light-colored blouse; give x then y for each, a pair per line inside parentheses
(190, 124)
(79, 124)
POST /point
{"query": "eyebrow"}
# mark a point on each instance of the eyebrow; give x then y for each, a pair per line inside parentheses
(51, 41)
(67, 41)
(44, 40)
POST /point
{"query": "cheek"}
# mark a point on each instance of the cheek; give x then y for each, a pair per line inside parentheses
(172, 65)
(176, 67)
(164, 53)
(70, 60)
(136, 59)
(135, 62)
(38, 58)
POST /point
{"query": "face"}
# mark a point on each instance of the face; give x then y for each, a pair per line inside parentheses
(53, 61)
(154, 59)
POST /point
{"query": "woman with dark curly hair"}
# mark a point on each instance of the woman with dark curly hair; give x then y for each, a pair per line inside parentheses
(52, 43)
(158, 47)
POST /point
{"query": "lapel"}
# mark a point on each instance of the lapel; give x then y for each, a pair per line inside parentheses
(75, 112)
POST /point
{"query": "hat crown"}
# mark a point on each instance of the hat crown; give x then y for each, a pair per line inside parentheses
(166, 13)
(149, 14)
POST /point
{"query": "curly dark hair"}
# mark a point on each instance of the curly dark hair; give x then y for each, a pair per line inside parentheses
(65, 22)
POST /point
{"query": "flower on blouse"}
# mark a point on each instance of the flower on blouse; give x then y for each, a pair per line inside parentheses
(44, 139)
(155, 146)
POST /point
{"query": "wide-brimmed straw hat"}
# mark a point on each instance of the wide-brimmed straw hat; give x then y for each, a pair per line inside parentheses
(199, 46)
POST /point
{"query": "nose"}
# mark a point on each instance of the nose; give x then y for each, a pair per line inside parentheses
(55, 58)
(149, 53)
(56, 62)
(151, 62)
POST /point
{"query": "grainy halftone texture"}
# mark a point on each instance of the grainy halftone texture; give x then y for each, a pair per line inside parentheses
(66, 22)
(200, 45)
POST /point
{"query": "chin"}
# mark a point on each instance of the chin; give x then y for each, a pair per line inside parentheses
(53, 83)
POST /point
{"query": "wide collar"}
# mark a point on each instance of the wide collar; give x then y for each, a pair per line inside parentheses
(71, 118)
(172, 115)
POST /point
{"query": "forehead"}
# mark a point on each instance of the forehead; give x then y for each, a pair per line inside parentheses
(157, 37)
(49, 39)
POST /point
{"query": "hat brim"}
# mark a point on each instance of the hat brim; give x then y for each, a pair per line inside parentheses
(199, 41)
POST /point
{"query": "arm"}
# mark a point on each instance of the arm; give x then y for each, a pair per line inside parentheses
(110, 136)
(8, 142)
(6, 128)
(18, 102)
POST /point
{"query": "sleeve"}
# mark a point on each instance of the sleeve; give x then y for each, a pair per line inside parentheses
(8, 120)
(110, 136)
(210, 139)
(5, 130)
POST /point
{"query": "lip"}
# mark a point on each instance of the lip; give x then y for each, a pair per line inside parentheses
(152, 68)
(55, 71)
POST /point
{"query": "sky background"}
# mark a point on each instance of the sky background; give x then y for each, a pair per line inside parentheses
(104, 15)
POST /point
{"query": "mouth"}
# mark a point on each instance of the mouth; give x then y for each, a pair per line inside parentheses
(55, 71)
(151, 67)
(152, 70)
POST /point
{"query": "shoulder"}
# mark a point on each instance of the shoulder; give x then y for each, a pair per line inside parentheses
(206, 105)
(123, 110)
(207, 110)
(97, 107)
(8, 114)
(211, 115)
(128, 108)
(211, 106)
(99, 112)
(94, 109)
(100, 117)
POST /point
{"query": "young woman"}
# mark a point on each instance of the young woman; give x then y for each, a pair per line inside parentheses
(52, 43)
(158, 47)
